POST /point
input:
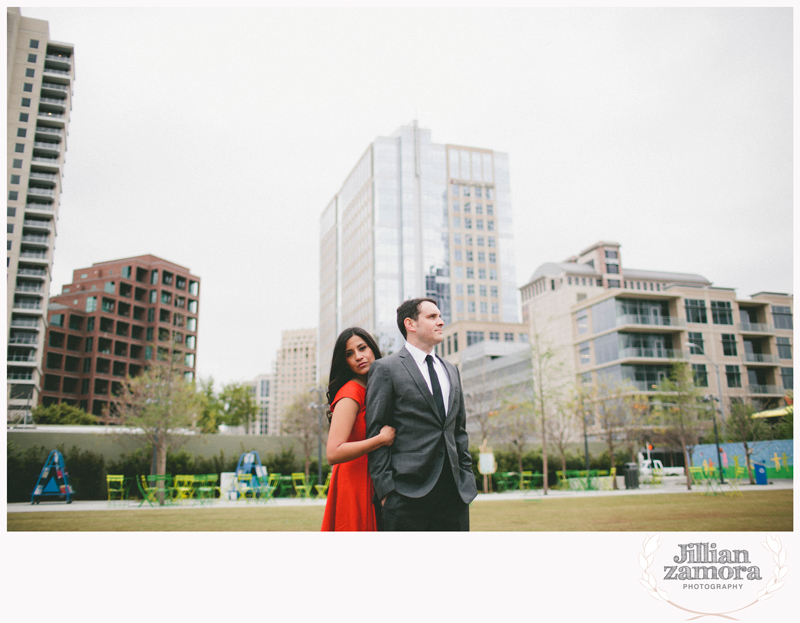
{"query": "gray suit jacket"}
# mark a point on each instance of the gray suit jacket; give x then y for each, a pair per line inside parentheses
(398, 395)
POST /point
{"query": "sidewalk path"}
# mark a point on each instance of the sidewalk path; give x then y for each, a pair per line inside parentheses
(675, 484)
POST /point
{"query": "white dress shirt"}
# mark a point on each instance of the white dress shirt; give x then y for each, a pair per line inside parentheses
(438, 366)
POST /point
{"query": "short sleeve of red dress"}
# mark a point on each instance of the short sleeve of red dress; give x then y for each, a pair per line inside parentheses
(353, 390)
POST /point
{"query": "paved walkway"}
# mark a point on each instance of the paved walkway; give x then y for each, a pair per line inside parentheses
(676, 484)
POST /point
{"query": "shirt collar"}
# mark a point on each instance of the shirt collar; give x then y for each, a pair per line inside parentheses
(417, 354)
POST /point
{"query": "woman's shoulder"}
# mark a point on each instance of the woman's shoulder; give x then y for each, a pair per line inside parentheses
(352, 389)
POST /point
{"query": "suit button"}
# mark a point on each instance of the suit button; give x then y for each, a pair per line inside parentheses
(441, 454)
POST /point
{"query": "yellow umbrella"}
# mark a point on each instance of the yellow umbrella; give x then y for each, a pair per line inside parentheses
(775, 412)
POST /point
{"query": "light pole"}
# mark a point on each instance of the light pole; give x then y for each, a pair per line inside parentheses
(319, 405)
(721, 408)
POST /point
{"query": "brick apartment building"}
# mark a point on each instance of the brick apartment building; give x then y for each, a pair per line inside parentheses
(111, 321)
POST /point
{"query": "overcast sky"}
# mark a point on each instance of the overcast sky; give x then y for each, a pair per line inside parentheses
(214, 138)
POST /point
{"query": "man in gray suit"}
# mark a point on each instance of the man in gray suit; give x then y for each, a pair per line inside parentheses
(424, 480)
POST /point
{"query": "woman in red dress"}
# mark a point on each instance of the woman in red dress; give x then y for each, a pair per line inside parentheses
(350, 504)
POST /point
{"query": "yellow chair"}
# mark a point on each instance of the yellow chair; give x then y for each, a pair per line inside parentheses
(184, 488)
(149, 493)
(244, 487)
(302, 489)
(563, 481)
(322, 490)
(697, 475)
(525, 480)
(733, 483)
(116, 488)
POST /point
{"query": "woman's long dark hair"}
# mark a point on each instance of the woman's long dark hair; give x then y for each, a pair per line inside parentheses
(340, 371)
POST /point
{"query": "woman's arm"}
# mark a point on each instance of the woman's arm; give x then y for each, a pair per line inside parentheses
(339, 450)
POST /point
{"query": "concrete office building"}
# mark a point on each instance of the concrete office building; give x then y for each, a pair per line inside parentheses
(413, 219)
(462, 334)
(40, 73)
(614, 324)
(263, 387)
(114, 319)
(295, 372)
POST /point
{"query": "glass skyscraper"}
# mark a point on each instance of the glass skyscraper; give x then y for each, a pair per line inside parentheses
(413, 219)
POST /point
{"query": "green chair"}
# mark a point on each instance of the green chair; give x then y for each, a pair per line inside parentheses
(264, 488)
(284, 484)
(149, 494)
(563, 481)
(525, 480)
(184, 488)
(204, 486)
(301, 489)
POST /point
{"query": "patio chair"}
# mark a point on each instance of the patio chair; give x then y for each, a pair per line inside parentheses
(149, 494)
(322, 490)
(733, 483)
(204, 488)
(116, 488)
(525, 480)
(563, 481)
(184, 488)
(302, 489)
(245, 488)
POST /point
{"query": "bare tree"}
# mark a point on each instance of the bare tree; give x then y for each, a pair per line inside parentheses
(160, 404)
(562, 429)
(740, 426)
(302, 421)
(681, 413)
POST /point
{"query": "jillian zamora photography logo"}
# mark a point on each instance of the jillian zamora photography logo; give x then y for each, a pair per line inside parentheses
(716, 577)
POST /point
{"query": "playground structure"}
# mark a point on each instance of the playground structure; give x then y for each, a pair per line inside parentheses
(55, 485)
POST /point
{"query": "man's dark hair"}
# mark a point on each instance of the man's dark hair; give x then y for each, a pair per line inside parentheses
(410, 309)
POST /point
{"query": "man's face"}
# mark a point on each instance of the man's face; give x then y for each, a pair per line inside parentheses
(426, 331)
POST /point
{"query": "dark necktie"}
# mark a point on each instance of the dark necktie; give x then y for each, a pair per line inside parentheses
(437, 389)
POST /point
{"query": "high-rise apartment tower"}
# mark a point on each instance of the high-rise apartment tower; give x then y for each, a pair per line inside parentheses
(415, 219)
(40, 73)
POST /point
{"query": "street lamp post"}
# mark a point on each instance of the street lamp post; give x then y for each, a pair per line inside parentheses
(721, 407)
(319, 405)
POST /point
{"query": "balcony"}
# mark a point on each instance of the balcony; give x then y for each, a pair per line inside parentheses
(28, 305)
(34, 256)
(23, 339)
(754, 327)
(38, 289)
(50, 163)
(54, 101)
(37, 224)
(41, 192)
(633, 321)
(37, 239)
(64, 61)
(55, 117)
(768, 390)
(59, 72)
(48, 147)
(759, 358)
(52, 86)
(39, 207)
(27, 323)
(46, 177)
(32, 272)
(20, 376)
(21, 359)
(652, 353)
(48, 131)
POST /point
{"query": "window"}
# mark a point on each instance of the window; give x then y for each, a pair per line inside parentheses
(493, 290)
(75, 322)
(153, 277)
(733, 376)
(457, 222)
(456, 238)
(490, 209)
(470, 290)
(166, 298)
(585, 354)
(26, 102)
(583, 321)
(467, 208)
(193, 306)
(31, 58)
(613, 283)
(508, 337)
(700, 374)
(697, 340)
(27, 87)
(12, 195)
(87, 366)
(787, 376)
(17, 164)
(11, 211)
(481, 257)
(471, 307)
(22, 133)
(484, 308)
(612, 268)
(478, 191)
(57, 320)
(454, 189)
(494, 336)
(481, 273)
(469, 256)
(729, 345)
(9, 228)
(473, 337)
(109, 287)
(493, 274)
(490, 225)
(480, 241)
(194, 288)
(782, 316)
(478, 208)
(482, 290)
(784, 348)
(467, 223)
(468, 240)
(490, 242)
(88, 344)
(90, 324)
(493, 258)
(470, 272)
(695, 311)
(107, 305)
(457, 255)
(34, 43)
(721, 312)
(495, 308)
(180, 283)
(30, 72)
(166, 278)
(479, 223)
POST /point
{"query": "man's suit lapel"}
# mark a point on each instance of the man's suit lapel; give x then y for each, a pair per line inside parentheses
(453, 376)
(413, 370)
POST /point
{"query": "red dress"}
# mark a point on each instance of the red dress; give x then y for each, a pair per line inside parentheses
(349, 506)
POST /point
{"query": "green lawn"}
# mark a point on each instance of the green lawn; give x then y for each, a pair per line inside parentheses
(755, 511)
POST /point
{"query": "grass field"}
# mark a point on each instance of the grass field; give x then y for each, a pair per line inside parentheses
(755, 511)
